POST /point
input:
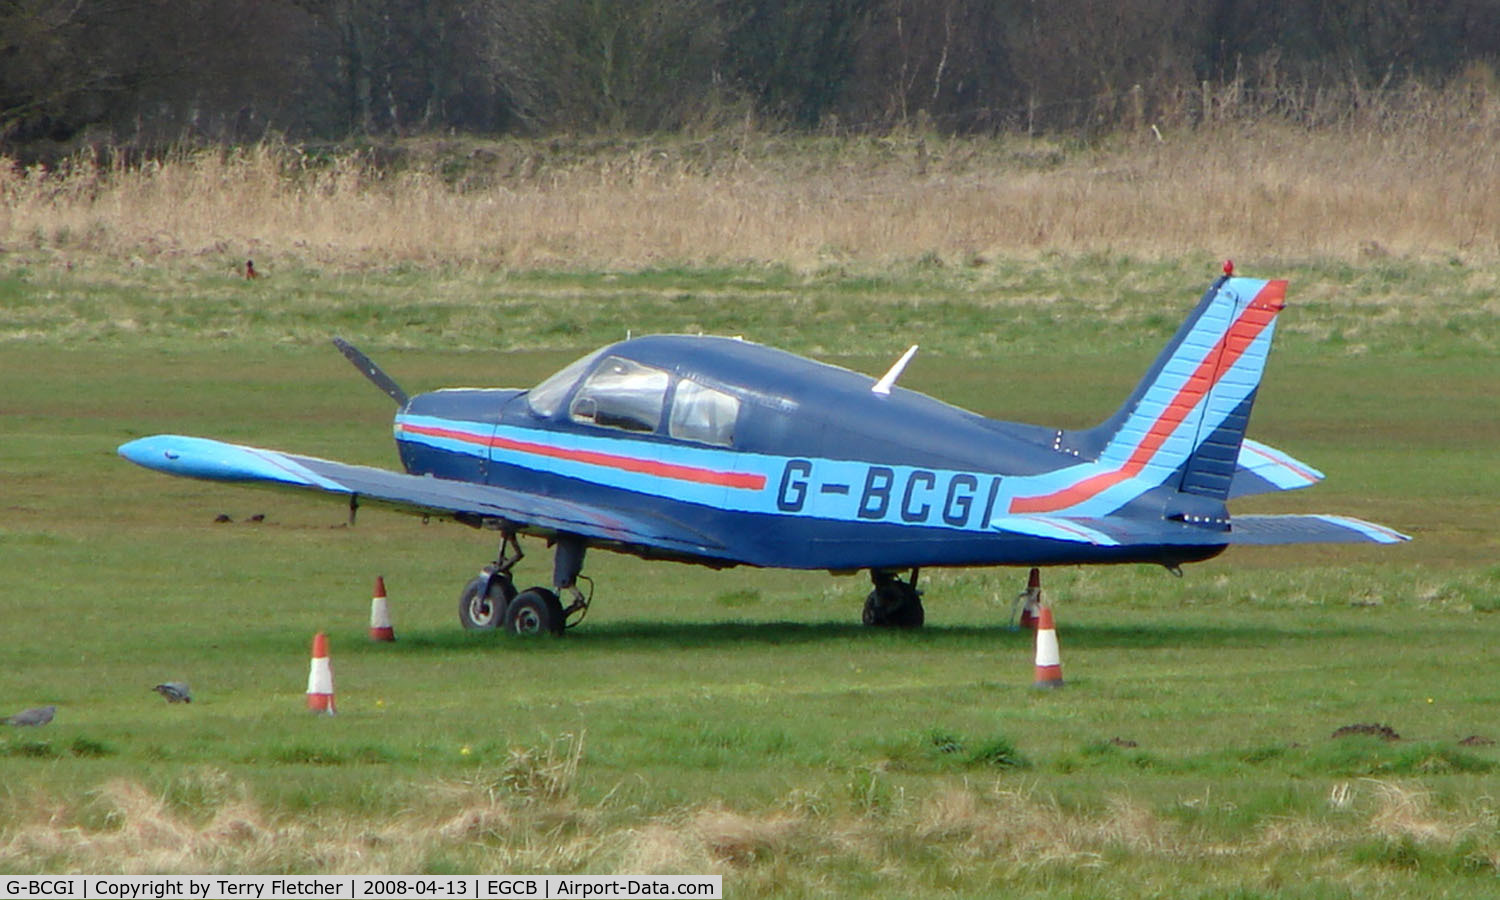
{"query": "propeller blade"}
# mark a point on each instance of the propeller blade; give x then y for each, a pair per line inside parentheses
(371, 371)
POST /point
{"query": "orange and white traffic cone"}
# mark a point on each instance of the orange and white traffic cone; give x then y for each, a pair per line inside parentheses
(1048, 661)
(380, 614)
(1031, 599)
(320, 677)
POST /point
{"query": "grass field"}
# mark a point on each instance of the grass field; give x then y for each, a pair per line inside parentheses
(742, 722)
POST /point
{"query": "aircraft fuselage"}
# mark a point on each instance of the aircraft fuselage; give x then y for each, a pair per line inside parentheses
(853, 480)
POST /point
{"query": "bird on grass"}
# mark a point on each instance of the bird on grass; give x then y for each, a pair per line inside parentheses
(41, 715)
(174, 692)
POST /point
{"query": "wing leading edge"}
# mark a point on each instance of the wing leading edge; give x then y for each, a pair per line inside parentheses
(212, 460)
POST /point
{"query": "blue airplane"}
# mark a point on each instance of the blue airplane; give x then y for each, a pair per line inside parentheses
(722, 452)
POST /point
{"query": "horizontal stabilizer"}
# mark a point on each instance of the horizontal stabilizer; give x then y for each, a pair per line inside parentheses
(1313, 529)
(1262, 469)
(1122, 531)
(530, 513)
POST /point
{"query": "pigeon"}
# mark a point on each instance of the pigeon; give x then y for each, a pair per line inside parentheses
(41, 715)
(174, 692)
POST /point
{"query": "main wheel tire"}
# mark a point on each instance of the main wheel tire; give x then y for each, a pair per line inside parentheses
(481, 610)
(535, 611)
(894, 604)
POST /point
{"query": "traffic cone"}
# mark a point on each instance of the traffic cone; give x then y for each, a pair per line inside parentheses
(1031, 599)
(1048, 661)
(320, 677)
(380, 614)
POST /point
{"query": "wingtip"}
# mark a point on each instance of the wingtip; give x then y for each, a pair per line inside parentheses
(151, 452)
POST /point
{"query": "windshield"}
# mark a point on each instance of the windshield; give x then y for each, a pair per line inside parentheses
(546, 398)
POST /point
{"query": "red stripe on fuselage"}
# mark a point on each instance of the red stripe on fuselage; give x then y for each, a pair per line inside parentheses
(739, 480)
(1260, 313)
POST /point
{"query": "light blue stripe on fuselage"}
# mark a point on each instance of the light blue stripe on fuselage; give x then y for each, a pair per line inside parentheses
(803, 486)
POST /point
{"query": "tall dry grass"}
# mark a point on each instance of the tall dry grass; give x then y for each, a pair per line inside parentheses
(967, 836)
(1421, 181)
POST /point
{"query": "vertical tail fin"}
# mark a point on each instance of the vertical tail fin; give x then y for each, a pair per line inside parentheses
(1191, 409)
(1183, 424)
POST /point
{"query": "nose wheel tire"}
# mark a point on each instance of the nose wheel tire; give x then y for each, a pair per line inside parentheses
(535, 611)
(483, 610)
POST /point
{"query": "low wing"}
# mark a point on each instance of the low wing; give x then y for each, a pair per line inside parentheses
(1262, 469)
(1122, 531)
(531, 513)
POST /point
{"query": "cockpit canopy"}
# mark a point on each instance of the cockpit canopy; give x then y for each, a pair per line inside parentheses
(724, 392)
(621, 393)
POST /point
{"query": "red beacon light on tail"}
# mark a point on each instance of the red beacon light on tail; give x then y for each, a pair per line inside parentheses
(1229, 267)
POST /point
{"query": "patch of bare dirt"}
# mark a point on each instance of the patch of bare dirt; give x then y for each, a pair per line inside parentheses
(1384, 732)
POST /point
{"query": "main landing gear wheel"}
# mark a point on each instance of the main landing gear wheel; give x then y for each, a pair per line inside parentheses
(490, 601)
(481, 609)
(535, 611)
(894, 603)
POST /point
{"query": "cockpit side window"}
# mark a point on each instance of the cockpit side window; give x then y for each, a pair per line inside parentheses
(703, 414)
(547, 397)
(621, 393)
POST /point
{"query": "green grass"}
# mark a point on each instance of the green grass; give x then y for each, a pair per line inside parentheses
(742, 721)
(998, 308)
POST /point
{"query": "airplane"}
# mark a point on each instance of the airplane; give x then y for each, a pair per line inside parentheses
(721, 452)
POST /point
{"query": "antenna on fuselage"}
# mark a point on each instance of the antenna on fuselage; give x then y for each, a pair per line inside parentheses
(888, 380)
